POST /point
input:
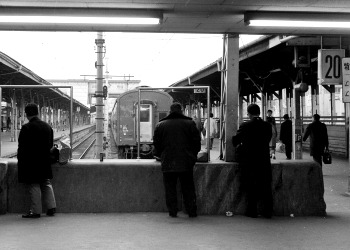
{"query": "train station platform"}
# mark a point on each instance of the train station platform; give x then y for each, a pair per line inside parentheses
(9, 148)
(156, 230)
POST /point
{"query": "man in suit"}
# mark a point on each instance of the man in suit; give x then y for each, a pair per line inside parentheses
(318, 138)
(286, 136)
(177, 143)
(34, 164)
(254, 137)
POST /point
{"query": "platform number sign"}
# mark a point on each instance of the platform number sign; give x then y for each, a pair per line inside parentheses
(330, 66)
(346, 79)
(199, 91)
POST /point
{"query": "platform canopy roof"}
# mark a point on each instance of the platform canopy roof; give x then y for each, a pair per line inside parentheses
(14, 73)
(183, 16)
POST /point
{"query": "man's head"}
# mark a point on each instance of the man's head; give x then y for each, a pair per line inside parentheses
(316, 117)
(286, 117)
(253, 110)
(211, 115)
(31, 110)
(269, 112)
(176, 107)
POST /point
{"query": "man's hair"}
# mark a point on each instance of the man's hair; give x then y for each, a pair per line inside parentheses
(269, 111)
(211, 115)
(176, 107)
(31, 109)
(316, 117)
(286, 116)
(253, 109)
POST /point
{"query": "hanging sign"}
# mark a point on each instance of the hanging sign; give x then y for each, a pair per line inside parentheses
(346, 79)
(329, 66)
(199, 91)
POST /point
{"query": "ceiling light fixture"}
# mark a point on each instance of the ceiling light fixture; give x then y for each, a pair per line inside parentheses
(83, 16)
(79, 20)
(298, 19)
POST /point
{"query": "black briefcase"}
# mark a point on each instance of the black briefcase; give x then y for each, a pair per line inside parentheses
(327, 157)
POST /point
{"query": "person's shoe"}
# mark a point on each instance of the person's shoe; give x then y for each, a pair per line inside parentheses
(51, 212)
(288, 158)
(30, 215)
(173, 214)
(251, 215)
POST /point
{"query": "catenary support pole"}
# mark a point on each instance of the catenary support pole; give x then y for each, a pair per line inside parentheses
(99, 96)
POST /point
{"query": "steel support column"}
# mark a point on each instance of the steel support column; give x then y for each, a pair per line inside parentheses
(229, 96)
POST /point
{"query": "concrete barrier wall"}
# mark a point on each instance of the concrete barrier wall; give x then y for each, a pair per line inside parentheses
(3, 187)
(137, 186)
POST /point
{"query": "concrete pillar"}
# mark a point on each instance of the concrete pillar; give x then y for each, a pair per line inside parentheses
(44, 108)
(297, 127)
(314, 99)
(229, 96)
(280, 103)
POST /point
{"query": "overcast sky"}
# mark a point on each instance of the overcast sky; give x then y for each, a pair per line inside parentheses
(158, 60)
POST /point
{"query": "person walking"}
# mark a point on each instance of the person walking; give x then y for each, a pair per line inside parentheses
(286, 136)
(212, 124)
(198, 123)
(8, 124)
(177, 143)
(270, 119)
(254, 137)
(318, 138)
(34, 166)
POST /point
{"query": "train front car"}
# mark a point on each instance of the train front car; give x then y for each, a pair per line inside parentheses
(154, 106)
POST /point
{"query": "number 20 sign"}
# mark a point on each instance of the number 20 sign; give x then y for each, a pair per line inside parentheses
(346, 79)
(330, 66)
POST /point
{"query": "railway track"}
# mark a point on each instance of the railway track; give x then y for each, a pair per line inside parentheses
(83, 149)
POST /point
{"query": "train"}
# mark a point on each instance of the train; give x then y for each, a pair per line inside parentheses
(154, 106)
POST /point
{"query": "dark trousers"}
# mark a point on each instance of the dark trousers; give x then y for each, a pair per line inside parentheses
(288, 148)
(259, 192)
(187, 188)
(317, 158)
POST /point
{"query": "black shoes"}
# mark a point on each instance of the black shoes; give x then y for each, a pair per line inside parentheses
(51, 212)
(30, 215)
(173, 214)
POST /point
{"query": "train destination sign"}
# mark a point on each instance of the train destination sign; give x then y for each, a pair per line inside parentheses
(329, 66)
(346, 79)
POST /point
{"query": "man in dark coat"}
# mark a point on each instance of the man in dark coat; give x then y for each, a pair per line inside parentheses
(177, 143)
(254, 137)
(34, 167)
(318, 138)
(286, 136)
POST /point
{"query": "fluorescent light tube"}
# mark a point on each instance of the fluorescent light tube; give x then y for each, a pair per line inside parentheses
(301, 24)
(80, 20)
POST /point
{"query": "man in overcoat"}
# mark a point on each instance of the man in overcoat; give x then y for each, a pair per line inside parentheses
(253, 138)
(34, 165)
(286, 134)
(177, 143)
(318, 138)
